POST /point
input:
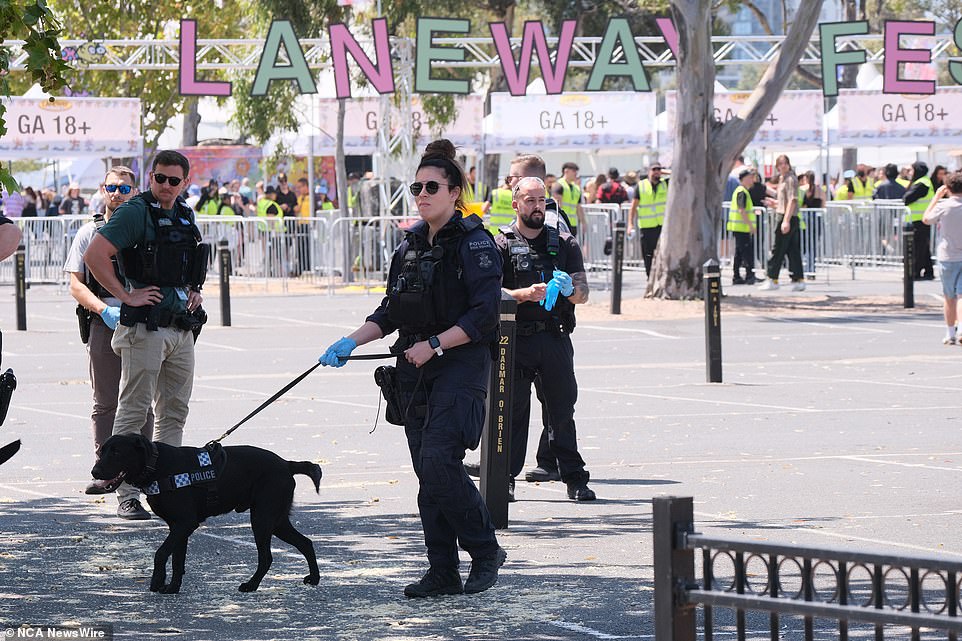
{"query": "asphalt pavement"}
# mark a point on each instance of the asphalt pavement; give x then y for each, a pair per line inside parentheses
(837, 424)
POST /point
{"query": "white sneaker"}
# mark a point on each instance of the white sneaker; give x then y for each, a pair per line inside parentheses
(949, 340)
(798, 286)
(768, 286)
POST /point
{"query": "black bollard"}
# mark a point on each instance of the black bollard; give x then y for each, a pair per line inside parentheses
(713, 346)
(225, 267)
(908, 266)
(496, 442)
(617, 264)
(21, 266)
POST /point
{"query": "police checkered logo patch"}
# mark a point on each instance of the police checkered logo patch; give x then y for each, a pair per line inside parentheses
(181, 480)
(203, 458)
(153, 488)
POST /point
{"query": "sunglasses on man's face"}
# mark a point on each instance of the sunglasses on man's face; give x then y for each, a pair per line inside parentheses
(430, 186)
(124, 189)
(163, 178)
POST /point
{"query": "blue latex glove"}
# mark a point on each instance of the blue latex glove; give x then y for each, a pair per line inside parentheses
(564, 282)
(111, 316)
(551, 295)
(336, 354)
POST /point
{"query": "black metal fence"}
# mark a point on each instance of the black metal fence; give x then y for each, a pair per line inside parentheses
(885, 595)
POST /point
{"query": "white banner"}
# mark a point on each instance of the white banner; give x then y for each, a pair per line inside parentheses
(70, 127)
(362, 121)
(874, 118)
(571, 121)
(795, 120)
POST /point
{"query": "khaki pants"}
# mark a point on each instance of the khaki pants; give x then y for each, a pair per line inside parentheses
(156, 366)
(105, 381)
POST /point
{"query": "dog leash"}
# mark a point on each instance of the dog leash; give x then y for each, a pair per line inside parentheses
(286, 388)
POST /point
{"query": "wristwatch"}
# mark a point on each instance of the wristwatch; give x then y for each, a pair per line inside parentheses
(435, 344)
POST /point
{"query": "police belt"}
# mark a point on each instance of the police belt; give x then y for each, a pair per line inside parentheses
(529, 328)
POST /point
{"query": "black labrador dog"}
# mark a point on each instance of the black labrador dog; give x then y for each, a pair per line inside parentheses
(185, 485)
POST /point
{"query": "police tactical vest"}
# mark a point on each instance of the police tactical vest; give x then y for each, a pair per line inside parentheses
(428, 295)
(525, 266)
(90, 281)
(176, 257)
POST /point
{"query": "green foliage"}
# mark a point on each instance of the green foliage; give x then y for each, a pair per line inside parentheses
(35, 24)
(259, 117)
(158, 91)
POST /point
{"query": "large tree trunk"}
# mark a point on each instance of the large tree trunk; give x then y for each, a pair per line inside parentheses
(191, 122)
(705, 149)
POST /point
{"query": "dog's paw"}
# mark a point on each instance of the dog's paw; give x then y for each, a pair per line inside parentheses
(312, 579)
(170, 588)
(248, 586)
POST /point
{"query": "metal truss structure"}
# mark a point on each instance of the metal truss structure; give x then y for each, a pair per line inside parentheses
(479, 53)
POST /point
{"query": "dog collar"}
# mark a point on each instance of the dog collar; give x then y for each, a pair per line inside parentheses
(150, 467)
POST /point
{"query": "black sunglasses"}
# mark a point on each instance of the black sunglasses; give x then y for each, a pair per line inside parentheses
(173, 180)
(430, 186)
(124, 189)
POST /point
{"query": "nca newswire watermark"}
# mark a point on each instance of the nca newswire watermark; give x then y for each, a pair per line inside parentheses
(60, 632)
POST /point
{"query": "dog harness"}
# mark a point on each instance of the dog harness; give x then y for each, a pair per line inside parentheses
(209, 463)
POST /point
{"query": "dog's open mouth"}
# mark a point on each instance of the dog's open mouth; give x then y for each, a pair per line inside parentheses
(112, 484)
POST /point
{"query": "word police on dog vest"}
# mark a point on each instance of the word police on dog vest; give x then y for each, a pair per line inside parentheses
(206, 473)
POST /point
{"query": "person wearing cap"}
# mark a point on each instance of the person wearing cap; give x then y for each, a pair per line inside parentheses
(648, 209)
(102, 314)
(73, 204)
(741, 222)
(572, 197)
(846, 190)
(917, 199)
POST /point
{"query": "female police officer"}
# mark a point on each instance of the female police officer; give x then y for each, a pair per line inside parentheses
(443, 292)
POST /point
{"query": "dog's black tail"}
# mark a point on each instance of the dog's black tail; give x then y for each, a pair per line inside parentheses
(307, 468)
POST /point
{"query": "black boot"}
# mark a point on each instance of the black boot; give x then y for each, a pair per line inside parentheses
(484, 572)
(435, 582)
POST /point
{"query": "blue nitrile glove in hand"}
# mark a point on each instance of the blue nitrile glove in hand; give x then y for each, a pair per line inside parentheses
(336, 355)
(551, 295)
(564, 281)
(111, 316)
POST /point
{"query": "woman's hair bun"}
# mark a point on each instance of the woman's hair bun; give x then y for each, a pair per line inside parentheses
(442, 147)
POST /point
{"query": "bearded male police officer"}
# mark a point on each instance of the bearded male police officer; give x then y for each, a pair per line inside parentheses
(547, 287)
(163, 264)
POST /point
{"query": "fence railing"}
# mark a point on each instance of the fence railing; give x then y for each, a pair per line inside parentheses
(742, 576)
(335, 250)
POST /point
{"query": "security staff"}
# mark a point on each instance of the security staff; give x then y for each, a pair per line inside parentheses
(648, 208)
(99, 313)
(572, 197)
(500, 212)
(164, 266)
(443, 296)
(917, 199)
(547, 288)
(741, 222)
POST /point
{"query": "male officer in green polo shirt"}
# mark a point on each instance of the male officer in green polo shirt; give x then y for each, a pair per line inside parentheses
(163, 264)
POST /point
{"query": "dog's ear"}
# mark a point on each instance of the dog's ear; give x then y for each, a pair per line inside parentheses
(140, 442)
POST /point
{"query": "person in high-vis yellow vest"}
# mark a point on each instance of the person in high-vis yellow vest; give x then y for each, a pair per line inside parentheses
(648, 212)
(905, 176)
(267, 208)
(501, 212)
(572, 196)
(741, 222)
(917, 199)
(353, 191)
(477, 195)
(863, 183)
